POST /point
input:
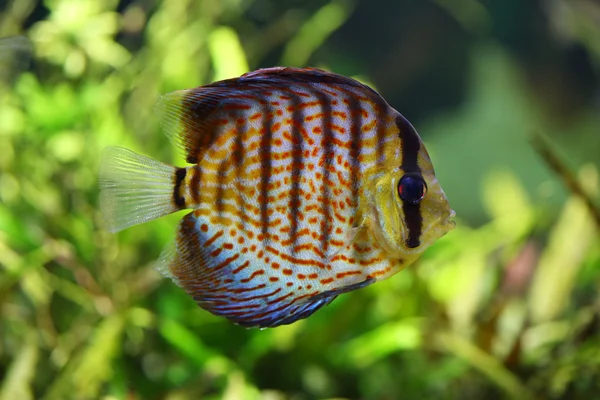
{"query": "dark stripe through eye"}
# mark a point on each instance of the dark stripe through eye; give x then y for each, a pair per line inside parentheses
(410, 146)
(412, 188)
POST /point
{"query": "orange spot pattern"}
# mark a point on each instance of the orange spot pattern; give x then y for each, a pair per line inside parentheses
(276, 196)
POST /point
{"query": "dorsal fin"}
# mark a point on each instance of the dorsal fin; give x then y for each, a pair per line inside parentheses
(193, 118)
(299, 75)
(187, 118)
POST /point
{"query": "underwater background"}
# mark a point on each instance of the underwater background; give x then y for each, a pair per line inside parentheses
(505, 306)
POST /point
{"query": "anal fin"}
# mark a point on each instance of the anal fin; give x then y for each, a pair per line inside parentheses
(233, 284)
(336, 292)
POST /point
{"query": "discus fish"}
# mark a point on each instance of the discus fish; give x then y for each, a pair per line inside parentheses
(304, 185)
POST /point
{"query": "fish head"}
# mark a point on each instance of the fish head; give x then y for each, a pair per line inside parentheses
(409, 209)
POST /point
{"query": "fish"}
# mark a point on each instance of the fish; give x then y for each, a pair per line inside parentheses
(302, 184)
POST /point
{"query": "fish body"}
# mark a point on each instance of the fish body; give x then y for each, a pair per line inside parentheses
(304, 184)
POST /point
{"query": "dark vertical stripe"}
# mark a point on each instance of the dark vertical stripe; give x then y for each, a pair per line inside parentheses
(328, 155)
(414, 222)
(198, 107)
(380, 110)
(238, 159)
(410, 144)
(238, 147)
(266, 166)
(195, 180)
(178, 197)
(297, 149)
(220, 187)
(355, 110)
(380, 114)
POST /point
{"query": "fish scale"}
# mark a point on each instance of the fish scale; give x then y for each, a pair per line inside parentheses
(295, 189)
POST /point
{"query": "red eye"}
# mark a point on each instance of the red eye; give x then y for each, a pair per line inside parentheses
(412, 189)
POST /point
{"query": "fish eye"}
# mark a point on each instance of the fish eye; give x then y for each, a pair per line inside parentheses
(412, 189)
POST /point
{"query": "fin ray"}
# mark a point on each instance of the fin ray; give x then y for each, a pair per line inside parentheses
(186, 118)
(133, 188)
(285, 75)
(217, 285)
(192, 119)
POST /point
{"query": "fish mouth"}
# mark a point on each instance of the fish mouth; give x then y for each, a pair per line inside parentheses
(450, 221)
(443, 225)
(448, 224)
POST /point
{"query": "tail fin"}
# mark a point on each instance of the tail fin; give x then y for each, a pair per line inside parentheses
(134, 189)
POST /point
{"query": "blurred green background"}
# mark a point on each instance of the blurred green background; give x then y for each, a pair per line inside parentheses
(505, 306)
